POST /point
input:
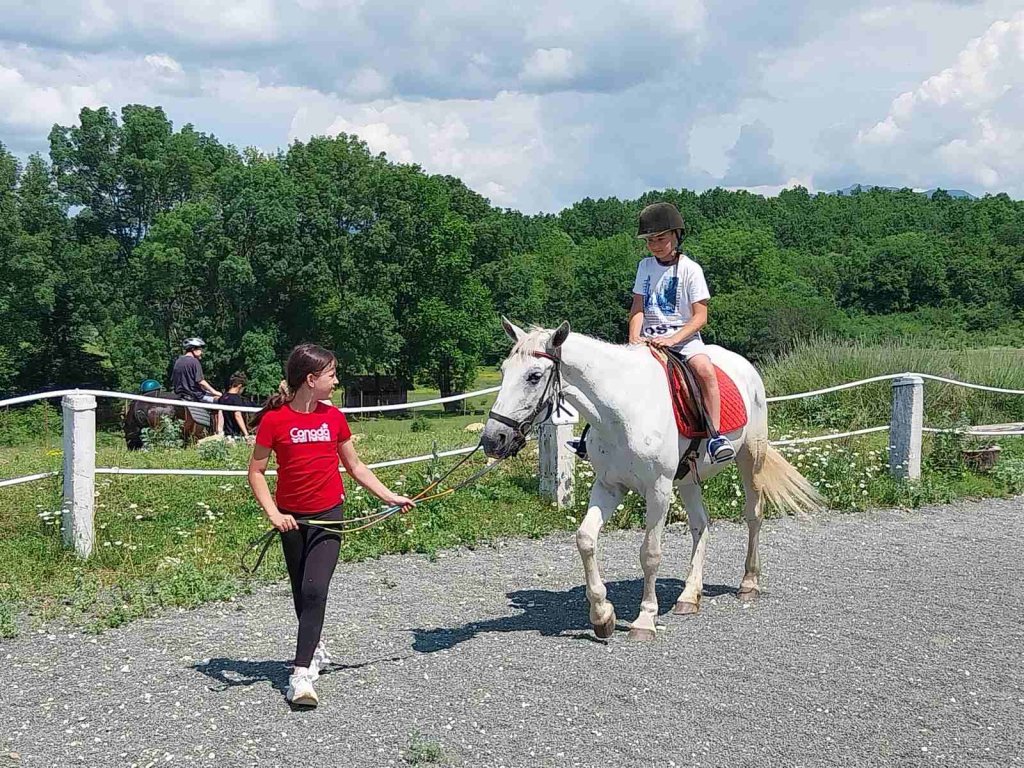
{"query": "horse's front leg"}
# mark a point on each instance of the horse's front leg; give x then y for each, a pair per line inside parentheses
(688, 602)
(603, 500)
(658, 500)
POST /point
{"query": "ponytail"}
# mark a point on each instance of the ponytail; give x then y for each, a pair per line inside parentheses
(283, 395)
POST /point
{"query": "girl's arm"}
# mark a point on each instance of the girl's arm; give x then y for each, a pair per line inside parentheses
(363, 475)
(260, 489)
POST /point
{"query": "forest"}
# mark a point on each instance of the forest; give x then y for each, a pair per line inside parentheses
(133, 234)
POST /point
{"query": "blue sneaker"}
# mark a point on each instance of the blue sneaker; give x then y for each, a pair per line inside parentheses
(719, 450)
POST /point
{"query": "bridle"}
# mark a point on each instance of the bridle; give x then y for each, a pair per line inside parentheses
(550, 402)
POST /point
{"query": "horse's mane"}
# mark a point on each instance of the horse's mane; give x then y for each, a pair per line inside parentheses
(536, 337)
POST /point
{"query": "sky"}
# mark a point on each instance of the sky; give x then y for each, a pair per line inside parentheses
(536, 105)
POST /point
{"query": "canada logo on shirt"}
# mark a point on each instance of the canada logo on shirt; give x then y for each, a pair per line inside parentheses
(320, 435)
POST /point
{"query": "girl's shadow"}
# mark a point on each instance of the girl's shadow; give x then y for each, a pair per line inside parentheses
(555, 613)
(231, 673)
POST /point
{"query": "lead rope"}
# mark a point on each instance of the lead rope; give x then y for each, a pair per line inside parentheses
(263, 542)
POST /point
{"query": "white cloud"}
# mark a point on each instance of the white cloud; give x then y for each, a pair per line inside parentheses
(548, 66)
(964, 124)
(537, 105)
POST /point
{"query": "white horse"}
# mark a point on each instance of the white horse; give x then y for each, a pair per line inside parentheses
(634, 444)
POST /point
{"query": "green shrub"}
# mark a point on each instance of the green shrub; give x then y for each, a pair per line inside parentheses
(165, 436)
(29, 424)
(420, 424)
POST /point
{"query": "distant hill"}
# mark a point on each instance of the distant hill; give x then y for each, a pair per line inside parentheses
(958, 194)
(853, 189)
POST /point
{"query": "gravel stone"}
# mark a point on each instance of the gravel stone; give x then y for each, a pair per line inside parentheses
(886, 638)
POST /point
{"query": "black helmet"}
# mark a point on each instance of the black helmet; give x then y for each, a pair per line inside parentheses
(193, 342)
(659, 217)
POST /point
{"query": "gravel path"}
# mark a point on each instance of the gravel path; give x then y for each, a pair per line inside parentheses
(885, 639)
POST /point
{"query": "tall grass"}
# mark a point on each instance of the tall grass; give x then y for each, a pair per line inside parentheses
(820, 364)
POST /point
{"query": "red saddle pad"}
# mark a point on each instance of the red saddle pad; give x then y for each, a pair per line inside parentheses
(734, 412)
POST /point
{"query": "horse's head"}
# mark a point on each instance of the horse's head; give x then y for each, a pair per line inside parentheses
(530, 382)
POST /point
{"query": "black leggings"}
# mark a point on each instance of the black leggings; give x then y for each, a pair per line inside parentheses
(311, 553)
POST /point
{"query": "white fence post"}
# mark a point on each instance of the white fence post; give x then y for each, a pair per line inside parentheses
(905, 428)
(557, 460)
(79, 472)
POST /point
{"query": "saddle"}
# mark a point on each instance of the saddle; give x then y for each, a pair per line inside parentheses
(688, 405)
(200, 416)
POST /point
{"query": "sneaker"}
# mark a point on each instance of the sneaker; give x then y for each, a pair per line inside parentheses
(321, 660)
(578, 446)
(300, 688)
(720, 450)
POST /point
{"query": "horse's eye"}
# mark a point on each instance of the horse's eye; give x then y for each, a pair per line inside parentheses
(534, 377)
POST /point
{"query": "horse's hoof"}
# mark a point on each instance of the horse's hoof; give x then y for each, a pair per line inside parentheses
(683, 608)
(638, 633)
(748, 595)
(604, 631)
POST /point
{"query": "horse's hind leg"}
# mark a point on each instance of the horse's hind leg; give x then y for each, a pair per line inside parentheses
(688, 602)
(749, 461)
(603, 500)
(659, 498)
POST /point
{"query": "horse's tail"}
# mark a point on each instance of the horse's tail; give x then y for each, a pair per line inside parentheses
(785, 487)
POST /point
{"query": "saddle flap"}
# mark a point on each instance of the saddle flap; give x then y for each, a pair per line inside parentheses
(200, 416)
(689, 419)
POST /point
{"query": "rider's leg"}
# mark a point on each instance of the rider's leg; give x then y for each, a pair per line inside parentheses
(702, 366)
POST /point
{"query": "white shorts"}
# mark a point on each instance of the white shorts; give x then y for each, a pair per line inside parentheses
(691, 346)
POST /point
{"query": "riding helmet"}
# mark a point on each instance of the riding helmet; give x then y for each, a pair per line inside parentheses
(150, 385)
(659, 217)
(193, 342)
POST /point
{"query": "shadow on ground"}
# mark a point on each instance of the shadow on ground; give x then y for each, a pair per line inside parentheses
(230, 673)
(555, 614)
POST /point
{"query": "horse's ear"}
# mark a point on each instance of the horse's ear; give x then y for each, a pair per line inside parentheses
(559, 336)
(514, 331)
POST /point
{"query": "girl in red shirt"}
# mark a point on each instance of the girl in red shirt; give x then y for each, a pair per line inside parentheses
(308, 437)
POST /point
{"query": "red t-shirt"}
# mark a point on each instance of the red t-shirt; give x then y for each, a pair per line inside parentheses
(306, 445)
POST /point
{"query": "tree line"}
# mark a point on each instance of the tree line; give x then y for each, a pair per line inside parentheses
(133, 234)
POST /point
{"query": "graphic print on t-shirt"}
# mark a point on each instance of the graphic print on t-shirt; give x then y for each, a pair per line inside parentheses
(321, 434)
(664, 298)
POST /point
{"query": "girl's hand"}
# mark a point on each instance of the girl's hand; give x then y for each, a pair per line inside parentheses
(400, 501)
(283, 523)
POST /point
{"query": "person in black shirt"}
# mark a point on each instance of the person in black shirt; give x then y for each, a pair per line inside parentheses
(234, 421)
(189, 383)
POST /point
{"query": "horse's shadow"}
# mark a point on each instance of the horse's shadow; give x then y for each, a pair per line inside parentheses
(553, 614)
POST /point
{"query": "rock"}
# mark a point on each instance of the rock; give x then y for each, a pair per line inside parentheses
(476, 426)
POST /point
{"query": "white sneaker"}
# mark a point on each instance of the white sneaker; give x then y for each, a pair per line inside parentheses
(300, 688)
(321, 660)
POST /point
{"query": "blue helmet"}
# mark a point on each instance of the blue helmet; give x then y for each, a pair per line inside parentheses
(150, 385)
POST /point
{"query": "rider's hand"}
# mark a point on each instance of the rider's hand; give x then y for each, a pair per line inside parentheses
(404, 502)
(283, 523)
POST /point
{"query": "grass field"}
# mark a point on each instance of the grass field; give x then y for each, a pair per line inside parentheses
(175, 541)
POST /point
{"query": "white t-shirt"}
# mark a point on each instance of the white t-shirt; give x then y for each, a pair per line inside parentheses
(669, 293)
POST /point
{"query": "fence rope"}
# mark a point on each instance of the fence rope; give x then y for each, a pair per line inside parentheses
(243, 472)
(819, 438)
(241, 408)
(478, 393)
(27, 479)
(969, 431)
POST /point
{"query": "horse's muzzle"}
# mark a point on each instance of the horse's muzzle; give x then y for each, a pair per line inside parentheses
(499, 441)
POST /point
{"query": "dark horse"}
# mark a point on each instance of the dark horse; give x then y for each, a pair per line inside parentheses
(139, 415)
